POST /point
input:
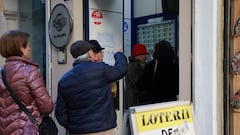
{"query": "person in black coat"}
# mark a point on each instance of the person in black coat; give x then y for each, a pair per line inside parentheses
(160, 78)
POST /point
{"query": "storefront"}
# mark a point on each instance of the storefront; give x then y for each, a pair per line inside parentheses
(204, 56)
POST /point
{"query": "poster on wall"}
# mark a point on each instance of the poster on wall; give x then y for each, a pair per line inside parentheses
(97, 17)
(106, 28)
(169, 118)
(107, 40)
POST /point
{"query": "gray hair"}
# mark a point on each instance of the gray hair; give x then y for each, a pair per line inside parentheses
(83, 57)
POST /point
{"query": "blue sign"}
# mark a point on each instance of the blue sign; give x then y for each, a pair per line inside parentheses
(125, 26)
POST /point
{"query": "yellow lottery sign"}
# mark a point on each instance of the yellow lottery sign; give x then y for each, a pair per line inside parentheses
(164, 120)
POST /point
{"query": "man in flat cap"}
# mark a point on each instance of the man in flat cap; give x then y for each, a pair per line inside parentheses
(97, 49)
(84, 102)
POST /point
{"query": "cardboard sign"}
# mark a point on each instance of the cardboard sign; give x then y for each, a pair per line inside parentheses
(169, 118)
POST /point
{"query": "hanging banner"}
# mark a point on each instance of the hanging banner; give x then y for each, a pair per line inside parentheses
(170, 118)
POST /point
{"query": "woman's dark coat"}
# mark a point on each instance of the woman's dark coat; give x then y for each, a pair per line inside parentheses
(160, 78)
(161, 87)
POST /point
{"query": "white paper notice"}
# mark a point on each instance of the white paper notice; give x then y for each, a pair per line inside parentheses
(106, 39)
(109, 57)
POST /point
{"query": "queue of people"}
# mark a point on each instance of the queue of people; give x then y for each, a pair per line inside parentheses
(84, 104)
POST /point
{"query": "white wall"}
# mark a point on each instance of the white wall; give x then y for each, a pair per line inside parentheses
(3, 23)
(109, 5)
(2, 30)
(8, 18)
(185, 44)
(147, 7)
(127, 32)
(205, 66)
(127, 38)
(10, 10)
(127, 9)
(9, 15)
(11, 5)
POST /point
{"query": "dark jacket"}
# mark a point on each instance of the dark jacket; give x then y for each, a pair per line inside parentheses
(161, 87)
(84, 101)
(135, 69)
(27, 83)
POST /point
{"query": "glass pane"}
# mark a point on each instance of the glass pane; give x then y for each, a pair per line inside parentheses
(32, 20)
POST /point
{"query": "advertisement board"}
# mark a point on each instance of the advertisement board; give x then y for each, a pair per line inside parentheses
(169, 118)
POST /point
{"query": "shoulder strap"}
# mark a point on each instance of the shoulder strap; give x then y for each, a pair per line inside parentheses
(15, 98)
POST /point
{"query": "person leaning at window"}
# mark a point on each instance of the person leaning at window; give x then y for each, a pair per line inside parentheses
(84, 101)
(160, 79)
(137, 62)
